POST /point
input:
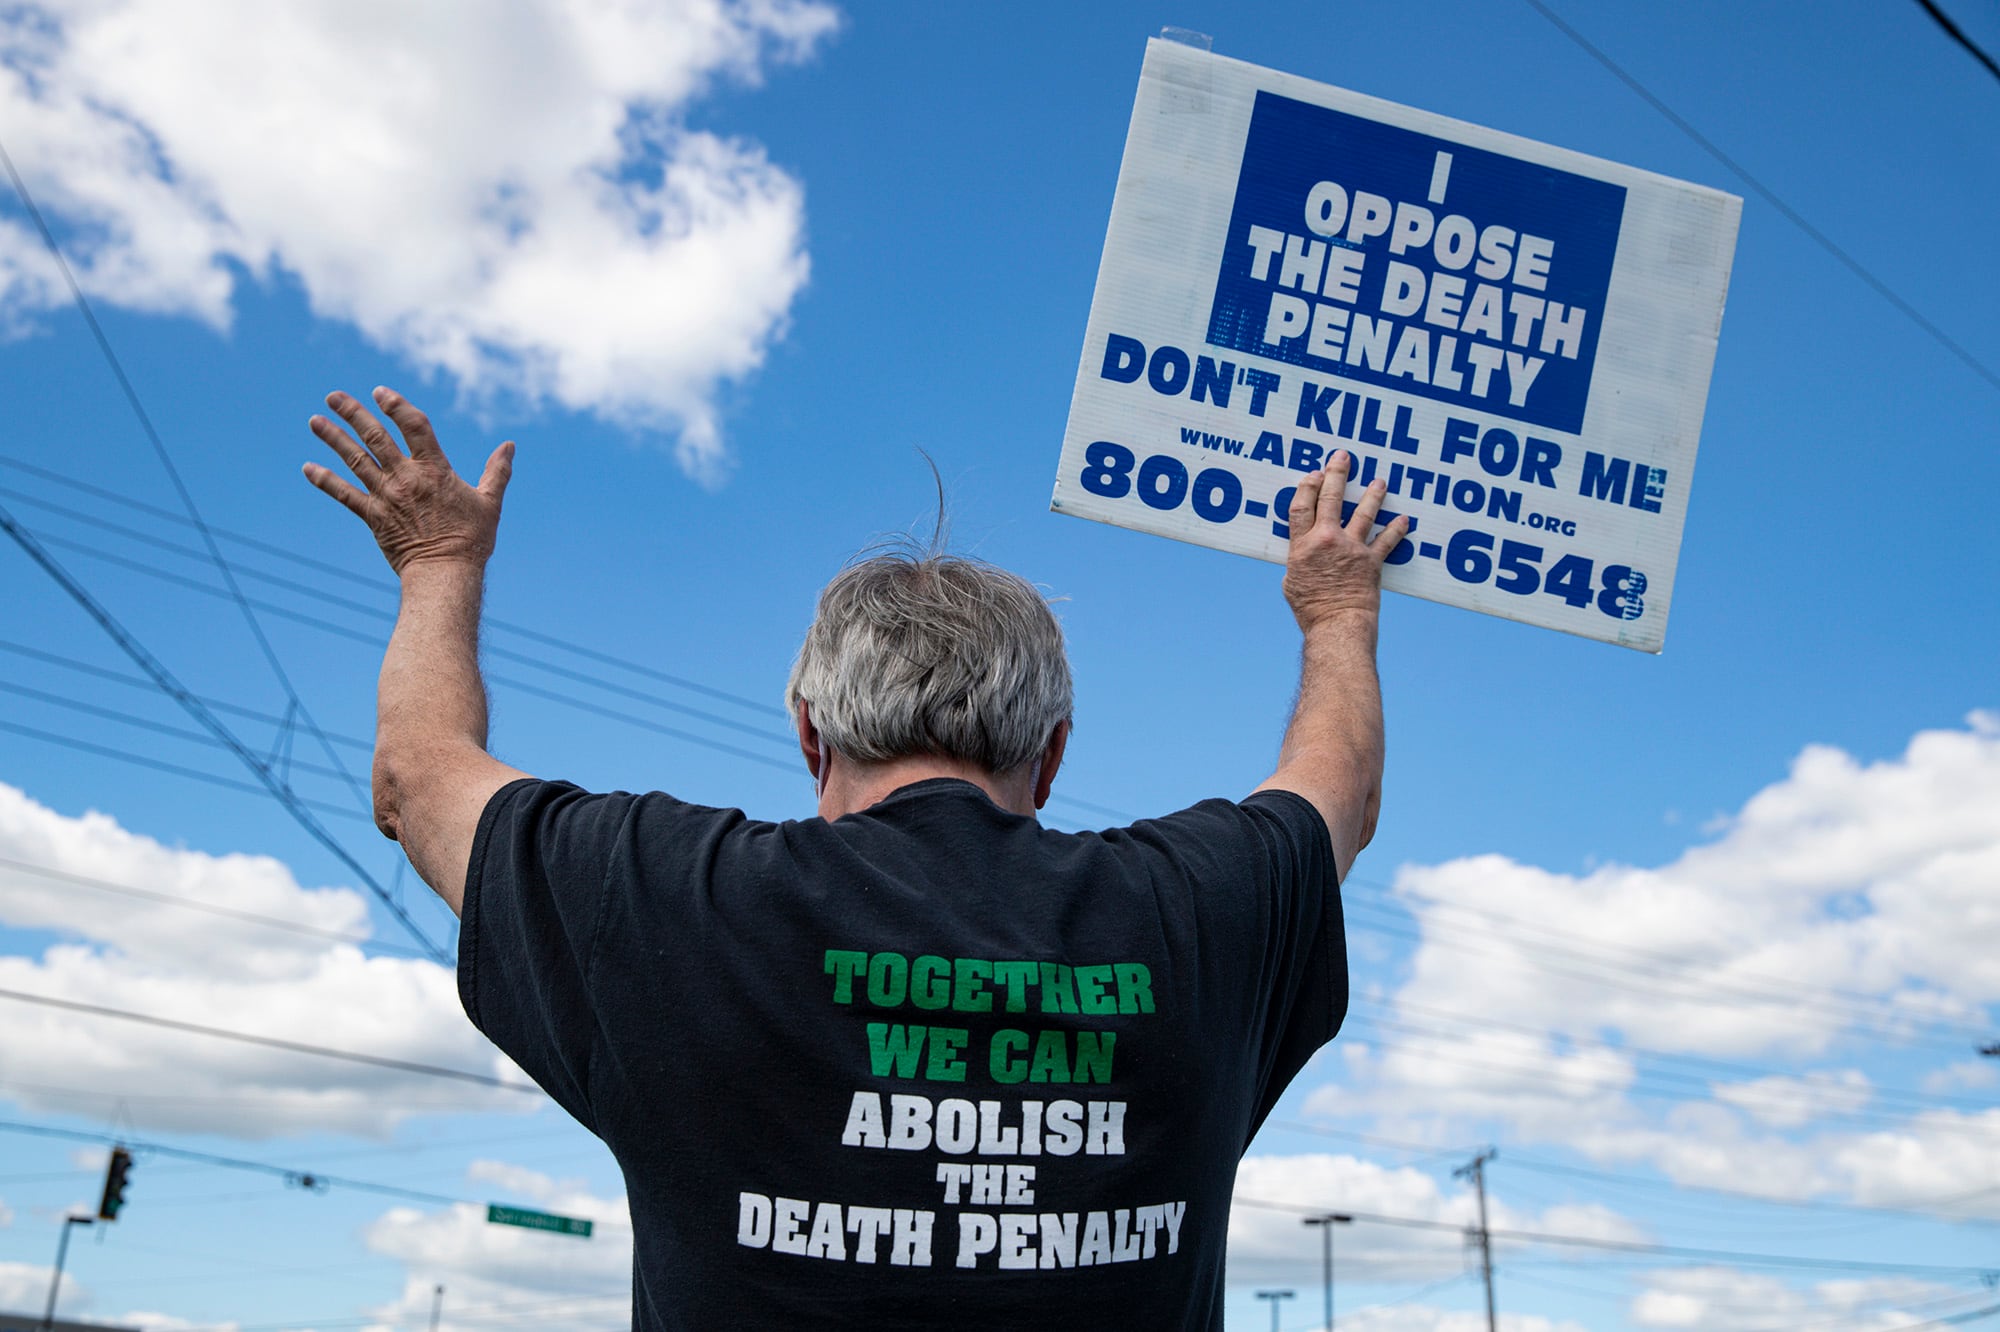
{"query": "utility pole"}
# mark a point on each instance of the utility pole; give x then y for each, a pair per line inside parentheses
(437, 1307)
(1326, 1222)
(1476, 1172)
(62, 1255)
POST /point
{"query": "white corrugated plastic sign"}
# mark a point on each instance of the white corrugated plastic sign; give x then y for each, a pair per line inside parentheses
(1516, 338)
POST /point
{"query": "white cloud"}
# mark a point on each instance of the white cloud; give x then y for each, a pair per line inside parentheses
(506, 194)
(1725, 1297)
(26, 1286)
(1788, 1102)
(221, 972)
(566, 1280)
(1872, 879)
(1843, 909)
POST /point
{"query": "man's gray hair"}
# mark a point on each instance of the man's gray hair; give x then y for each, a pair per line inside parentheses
(917, 652)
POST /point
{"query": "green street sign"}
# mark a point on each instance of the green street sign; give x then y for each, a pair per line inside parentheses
(497, 1215)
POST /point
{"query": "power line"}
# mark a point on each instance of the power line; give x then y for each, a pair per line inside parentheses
(348, 576)
(231, 1162)
(493, 678)
(1637, 1247)
(569, 700)
(1440, 1047)
(141, 682)
(174, 769)
(271, 1042)
(1957, 34)
(1911, 1100)
(194, 904)
(173, 688)
(1676, 981)
(1367, 1139)
(1653, 956)
(1769, 196)
(296, 704)
(1517, 1161)
(146, 724)
(387, 615)
(783, 741)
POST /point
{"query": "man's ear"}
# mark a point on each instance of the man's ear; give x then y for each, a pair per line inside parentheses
(811, 748)
(1052, 757)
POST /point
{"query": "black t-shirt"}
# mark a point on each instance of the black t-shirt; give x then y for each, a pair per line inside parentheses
(929, 1065)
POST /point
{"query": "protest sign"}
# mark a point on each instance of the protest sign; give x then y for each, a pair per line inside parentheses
(1516, 338)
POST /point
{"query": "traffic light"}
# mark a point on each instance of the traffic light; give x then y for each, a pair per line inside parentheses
(114, 1184)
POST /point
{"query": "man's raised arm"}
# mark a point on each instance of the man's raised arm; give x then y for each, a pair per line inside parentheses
(433, 776)
(1332, 754)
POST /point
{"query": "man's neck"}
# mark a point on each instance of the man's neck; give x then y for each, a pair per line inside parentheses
(853, 787)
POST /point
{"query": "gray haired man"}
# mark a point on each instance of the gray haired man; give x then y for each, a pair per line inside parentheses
(917, 1062)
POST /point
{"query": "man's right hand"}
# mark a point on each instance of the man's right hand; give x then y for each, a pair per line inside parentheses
(1333, 748)
(1332, 568)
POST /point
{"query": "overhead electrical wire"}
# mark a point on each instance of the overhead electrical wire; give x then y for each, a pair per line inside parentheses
(1740, 1257)
(141, 682)
(153, 666)
(1676, 982)
(187, 903)
(1923, 1209)
(287, 1173)
(1957, 34)
(1770, 196)
(1786, 985)
(784, 740)
(1705, 1066)
(295, 703)
(173, 769)
(270, 1042)
(350, 578)
(175, 690)
(1926, 1209)
(1440, 1047)
(103, 713)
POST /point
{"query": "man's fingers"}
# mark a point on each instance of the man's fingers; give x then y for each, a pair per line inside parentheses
(339, 489)
(342, 443)
(379, 441)
(499, 471)
(1335, 493)
(1305, 504)
(1366, 508)
(1392, 536)
(416, 427)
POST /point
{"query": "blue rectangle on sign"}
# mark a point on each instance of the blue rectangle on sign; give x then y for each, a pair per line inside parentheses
(1374, 253)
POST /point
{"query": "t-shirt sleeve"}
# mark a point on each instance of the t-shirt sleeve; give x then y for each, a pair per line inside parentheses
(535, 891)
(1305, 941)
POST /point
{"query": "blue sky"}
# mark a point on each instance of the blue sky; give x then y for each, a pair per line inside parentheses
(723, 274)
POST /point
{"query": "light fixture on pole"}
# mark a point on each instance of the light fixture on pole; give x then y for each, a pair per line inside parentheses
(1326, 1222)
(1274, 1296)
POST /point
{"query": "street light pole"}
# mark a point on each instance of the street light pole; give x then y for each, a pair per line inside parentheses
(62, 1256)
(1274, 1296)
(1326, 1223)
